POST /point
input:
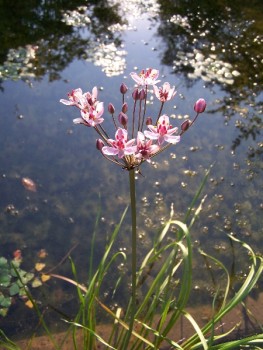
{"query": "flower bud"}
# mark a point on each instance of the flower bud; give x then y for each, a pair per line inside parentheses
(142, 94)
(135, 94)
(99, 144)
(123, 88)
(149, 121)
(124, 108)
(123, 119)
(185, 125)
(200, 106)
(111, 108)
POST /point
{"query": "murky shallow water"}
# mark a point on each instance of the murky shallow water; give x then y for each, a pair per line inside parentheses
(204, 54)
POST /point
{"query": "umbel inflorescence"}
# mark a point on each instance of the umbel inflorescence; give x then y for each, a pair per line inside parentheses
(137, 138)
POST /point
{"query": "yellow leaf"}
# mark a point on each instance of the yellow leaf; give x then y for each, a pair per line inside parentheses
(36, 283)
(45, 278)
(39, 266)
(29, 304)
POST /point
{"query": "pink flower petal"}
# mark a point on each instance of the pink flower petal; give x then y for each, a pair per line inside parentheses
(171, 139)
(110, 151)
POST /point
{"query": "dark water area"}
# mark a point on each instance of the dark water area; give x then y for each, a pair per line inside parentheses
(208, 49)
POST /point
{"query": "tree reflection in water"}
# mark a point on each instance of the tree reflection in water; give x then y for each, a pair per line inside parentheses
(217, 42)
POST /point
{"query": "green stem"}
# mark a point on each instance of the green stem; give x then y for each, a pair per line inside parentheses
(134, 236)
(134, 256)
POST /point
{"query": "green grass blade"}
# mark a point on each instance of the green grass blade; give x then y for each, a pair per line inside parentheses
(7, 343)
(250, 281)
(198, 330)
(100, 339)
(253, 340)
(197, 195)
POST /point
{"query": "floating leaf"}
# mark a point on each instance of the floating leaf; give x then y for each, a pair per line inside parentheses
(18, 271)
(14, 289)
(16, 263)
(17, 254)
(3, 312)
(28, 277)
(42, 253)
(22, 292)
(36, 283)
(5, 301)
(5, 279)
(45, 278)
(29, 304)
(3, 262)
(29, 184)
(39, 266)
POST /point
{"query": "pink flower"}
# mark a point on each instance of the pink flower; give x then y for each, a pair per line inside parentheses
(91, 116)
(91, 98)
(80, 100)
(146, 77)
(200, 106)
(162, 132)
(75, 98)
(120, 146)
(145, 148)
(164, 93)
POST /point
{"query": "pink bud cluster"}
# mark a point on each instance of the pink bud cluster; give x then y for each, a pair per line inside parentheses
(147, 138)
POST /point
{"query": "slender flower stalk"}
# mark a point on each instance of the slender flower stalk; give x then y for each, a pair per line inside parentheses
(134, 254)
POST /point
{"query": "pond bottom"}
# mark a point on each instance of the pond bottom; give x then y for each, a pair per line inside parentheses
(248, 325)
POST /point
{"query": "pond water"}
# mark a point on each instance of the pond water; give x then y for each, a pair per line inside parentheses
(213, 51)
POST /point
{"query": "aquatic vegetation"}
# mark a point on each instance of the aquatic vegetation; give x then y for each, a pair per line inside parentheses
(13, 280)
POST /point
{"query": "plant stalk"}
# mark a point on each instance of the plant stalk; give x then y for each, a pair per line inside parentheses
(134, 256)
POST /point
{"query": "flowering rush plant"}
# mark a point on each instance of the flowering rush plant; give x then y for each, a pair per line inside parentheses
(139, 138)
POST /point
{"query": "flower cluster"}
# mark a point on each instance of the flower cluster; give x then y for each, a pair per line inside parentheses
(142, 145)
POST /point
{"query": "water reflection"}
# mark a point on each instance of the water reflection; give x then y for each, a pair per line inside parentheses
(213, 38)
(51, 29)
(219, 44)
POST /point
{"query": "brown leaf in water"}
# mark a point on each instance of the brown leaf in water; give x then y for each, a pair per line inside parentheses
(29, 304)
(45, 278)
(42, 253)
(29, 184)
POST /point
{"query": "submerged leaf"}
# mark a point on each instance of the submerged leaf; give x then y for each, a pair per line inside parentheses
(5, 279)
(28, 277)
(3, 262)
(36, 283)
(17, 271)
(29, 304)
(3, 312)
(45, 278)
(16, 263)
(14, 289)
(29, 184)
(39, 266)
(42, 253)
(5, 301)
